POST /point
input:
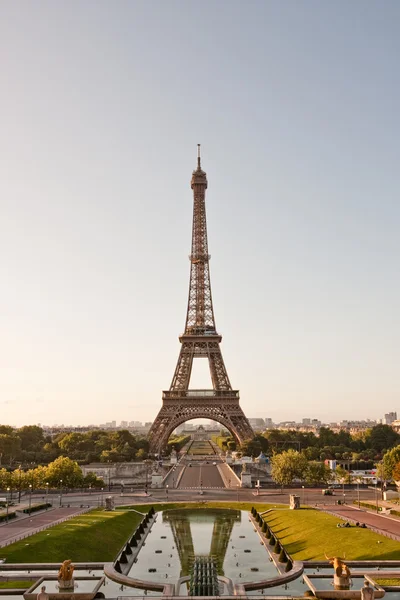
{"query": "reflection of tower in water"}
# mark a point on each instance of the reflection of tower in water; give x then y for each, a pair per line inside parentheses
(222, 521)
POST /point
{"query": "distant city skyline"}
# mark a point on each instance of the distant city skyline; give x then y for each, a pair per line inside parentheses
(388, 419)
(296, 108)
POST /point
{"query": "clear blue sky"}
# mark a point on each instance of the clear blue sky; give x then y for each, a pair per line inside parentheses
(296, 105)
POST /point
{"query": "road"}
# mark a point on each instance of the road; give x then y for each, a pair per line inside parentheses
(201, 476)
(381, 522)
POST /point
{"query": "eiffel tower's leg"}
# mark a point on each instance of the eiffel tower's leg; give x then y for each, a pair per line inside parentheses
(219, 375)
(183, 370)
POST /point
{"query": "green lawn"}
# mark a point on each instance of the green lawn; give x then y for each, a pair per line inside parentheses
(308, 534)
(96, 536)
(18, 584)
(388, 582)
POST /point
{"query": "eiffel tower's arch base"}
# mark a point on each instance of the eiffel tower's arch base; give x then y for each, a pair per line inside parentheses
(173, 413)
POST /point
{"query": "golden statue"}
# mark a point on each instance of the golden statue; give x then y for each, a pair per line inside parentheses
(341, 570)
(66, 571)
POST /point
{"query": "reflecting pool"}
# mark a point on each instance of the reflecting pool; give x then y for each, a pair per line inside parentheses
(179, 535)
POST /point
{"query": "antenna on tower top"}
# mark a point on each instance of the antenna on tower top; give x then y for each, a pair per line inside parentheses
(198, 156)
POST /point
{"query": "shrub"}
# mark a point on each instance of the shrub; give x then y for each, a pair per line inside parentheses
(282, 556)
(272, 541)
(268, 534)
(289, 565)
(35, 508)
(11, 515)
(277, 548)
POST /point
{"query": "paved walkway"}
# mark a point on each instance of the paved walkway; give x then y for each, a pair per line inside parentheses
(386, 525)
(20, 528)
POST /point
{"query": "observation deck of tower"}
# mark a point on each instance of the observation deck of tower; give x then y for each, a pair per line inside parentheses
(199, 340)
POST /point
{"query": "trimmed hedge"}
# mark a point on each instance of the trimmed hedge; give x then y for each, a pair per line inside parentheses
(11, 515)
(372, 506)
(37, 507)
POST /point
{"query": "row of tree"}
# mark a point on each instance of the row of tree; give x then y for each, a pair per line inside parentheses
(292, 464)
(369, 445)
(29, 445)
(62, 472)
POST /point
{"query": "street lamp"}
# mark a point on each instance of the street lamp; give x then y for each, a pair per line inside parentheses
(238, 486)
(47, 492)
(102, 496)
(166, 489)
(303, 494)
(358, 492)
(19, 484)
(376, 496)
(7, 503)
(60, 493)
(30, 498)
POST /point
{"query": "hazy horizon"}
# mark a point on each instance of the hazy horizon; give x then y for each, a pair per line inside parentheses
(296, 108)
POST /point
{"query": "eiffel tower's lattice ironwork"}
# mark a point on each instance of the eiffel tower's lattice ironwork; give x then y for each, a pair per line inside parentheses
(199, 340)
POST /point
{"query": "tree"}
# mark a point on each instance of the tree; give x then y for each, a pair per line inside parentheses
(66, 470)
(381, 437)
(390, 461)
(396, 473)
(10, 445)
(31, 437)
(317, 472)
(342, 475)
(287, 466)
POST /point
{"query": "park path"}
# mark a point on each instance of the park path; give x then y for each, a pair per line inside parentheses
(20, 528)
(386, 525)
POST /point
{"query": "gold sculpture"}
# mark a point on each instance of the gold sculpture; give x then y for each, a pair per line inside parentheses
(66, 571)
(341, 570)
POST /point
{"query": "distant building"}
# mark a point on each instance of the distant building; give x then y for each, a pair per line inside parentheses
(390, 417)
(269, 424)
(396, 425)
(257, 423)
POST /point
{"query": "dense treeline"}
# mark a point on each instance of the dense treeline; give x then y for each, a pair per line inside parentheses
(29, 446)
(369, 445)
(61, 473)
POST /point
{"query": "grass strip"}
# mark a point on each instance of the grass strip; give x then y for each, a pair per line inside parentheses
(17, 584)
(388, 582)
(309, 534)
(95, 536)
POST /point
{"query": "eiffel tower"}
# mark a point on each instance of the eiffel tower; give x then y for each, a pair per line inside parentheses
(200, 340)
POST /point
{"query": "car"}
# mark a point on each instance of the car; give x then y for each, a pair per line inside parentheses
(215, 464)
(190, 465)
(328, 492)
